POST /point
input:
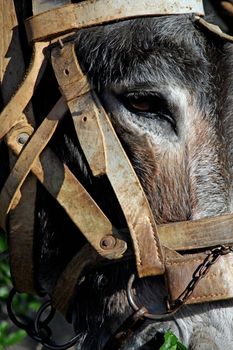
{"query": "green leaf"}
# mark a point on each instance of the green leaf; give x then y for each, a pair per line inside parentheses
(3, 244)
(3, 331)
(4, 327)
(181, 346)
(171, 342)
(4, 269)
(34, 305)
(4, 292)
(15, 337)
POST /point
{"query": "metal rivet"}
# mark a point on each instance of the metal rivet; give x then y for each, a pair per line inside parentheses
(108, 242)
(22, 138)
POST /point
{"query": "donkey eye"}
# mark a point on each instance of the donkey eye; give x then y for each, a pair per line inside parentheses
(148, 105)
(141, 103)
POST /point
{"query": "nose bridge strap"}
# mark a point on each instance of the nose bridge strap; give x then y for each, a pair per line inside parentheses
(105, 155)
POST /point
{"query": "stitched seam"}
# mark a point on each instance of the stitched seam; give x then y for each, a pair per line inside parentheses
(158, 251)
(184, 262)
(209, 295)
(137, 244)
(187, 261)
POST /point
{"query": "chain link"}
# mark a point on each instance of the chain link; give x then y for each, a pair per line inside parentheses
(199, 274)
(39, 329)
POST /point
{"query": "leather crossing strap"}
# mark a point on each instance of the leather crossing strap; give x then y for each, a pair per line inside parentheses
(20, 134)
(90, 13)
(91, 124)
(17, 195)
(181, 236)
(18, 130)
(76, 201)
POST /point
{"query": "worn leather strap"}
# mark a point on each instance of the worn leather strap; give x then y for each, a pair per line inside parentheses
(93, 12)
(214, 29)
(20, 184)
(216, 285)
(182, 236)
(76, 201)
(91, 124)
(198, 234)
(14, 109)
(11, 197)
(29, 154)
(64, 292)
(21, 218)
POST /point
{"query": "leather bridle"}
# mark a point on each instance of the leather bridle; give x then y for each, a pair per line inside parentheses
(156, 249)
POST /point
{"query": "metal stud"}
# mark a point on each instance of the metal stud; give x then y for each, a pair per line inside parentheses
(23, 138)
(108, 242)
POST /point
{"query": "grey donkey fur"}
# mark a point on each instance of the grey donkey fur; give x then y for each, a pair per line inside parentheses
(180, 143)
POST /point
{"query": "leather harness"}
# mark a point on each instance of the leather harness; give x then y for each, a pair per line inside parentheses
(156, 249)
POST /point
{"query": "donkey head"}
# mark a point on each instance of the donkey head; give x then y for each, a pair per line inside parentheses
(167, 87)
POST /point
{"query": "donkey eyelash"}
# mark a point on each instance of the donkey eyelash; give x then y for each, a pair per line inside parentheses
(148, 104)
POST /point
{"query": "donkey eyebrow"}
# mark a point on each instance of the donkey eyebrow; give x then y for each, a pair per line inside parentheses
(125, 87)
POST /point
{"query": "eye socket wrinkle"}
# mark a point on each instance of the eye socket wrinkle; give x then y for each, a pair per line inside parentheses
(148, 104)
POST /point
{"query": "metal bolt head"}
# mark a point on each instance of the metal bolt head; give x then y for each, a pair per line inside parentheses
(22, 138)
(108, 242)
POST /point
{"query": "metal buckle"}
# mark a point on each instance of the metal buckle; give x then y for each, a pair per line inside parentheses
(136, 308)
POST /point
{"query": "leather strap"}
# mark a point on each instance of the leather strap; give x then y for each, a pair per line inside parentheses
(29, 154)
(91, 124)
(182, 236)
(76, 201)
(18, 195)
(198, 234)
(216, 285)
(10, 197)
(89, 13)
(21, 218)
(214, 29)
(14, 109)
(64, 292)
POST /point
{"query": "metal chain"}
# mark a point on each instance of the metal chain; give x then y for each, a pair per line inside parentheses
(39, 329)
(199, 274)
(201, 271)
